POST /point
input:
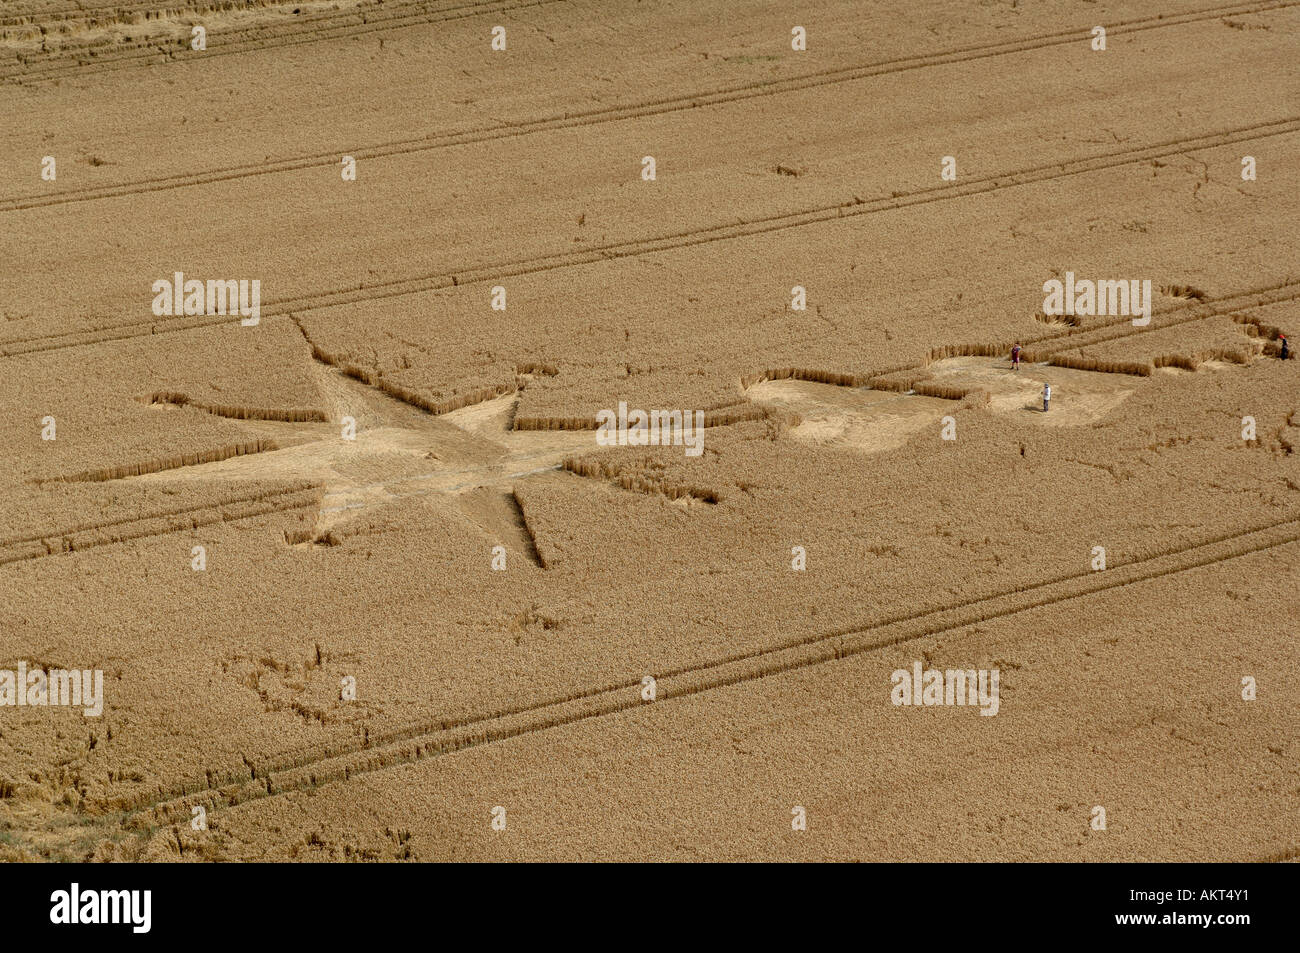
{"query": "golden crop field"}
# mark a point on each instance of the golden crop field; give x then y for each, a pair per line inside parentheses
(555, 430)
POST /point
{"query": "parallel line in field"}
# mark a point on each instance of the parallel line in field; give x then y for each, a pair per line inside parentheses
(91, 527)
(647, 108)
(777, 222)
(297, 304)
(298, 33)
(307, 767)
(115, 10)
(1114, 329)
(80, 538)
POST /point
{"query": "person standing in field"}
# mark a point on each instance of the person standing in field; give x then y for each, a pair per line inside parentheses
(1047, 395)
(1285, 349)
(1015, 357)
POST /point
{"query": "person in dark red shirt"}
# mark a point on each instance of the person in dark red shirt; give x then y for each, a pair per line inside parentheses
(1015, 357)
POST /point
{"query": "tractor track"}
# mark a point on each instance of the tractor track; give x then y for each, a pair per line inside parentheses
(303, 31)
(88, 536)
(117, 11)
(778, 222)
(297, 304)
(592, 117)
(1102, 332)
(1047, 345)
(304, 768)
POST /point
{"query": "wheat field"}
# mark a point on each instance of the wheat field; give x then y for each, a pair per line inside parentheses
(381, 567)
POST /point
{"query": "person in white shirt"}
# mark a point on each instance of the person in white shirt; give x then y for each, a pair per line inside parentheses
(1047, 395)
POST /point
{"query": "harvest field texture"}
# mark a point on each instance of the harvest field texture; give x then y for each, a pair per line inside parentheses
(727, 430)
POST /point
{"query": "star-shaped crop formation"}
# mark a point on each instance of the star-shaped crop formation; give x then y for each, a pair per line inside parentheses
(397, 451)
